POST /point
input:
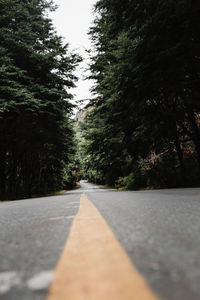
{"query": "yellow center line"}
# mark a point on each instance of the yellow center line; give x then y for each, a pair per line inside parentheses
(93, 265)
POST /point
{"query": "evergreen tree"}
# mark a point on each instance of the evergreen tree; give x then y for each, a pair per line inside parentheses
(36, 73)
(146, 67)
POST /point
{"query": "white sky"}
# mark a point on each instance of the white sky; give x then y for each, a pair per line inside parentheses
(72, 20)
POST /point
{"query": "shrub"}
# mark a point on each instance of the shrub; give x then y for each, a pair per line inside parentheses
(129, 181)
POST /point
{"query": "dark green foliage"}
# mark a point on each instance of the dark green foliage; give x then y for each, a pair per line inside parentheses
(164, 173)
(147, 67)
(36, 72)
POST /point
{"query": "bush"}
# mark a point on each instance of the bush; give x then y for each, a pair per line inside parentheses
(129, 181)
(135, 180)
(164, 173)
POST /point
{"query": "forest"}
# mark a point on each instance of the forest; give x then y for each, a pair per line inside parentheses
(36, 74)
(142, 127)
(142, 130)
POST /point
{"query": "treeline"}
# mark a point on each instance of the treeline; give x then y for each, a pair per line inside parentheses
(143, 128)
(36, 73)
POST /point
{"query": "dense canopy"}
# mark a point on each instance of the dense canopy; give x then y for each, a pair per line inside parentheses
(143, 127)
(36, 73)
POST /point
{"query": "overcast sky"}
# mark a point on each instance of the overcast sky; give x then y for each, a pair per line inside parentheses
(72, 20)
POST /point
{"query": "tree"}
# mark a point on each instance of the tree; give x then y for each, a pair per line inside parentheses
(146, 67)
(36, 73)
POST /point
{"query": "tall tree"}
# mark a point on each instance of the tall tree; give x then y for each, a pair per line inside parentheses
(146, 67)
(36, 73)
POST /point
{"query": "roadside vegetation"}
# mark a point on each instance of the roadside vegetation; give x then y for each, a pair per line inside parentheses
(36, 73)
(143, 128)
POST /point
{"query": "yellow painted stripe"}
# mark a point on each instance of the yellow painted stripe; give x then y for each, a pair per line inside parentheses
(93, 265)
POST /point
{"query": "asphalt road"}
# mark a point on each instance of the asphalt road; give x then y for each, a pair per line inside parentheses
(160, 231)
(32, 235)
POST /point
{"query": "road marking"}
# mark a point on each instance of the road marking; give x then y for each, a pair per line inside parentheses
(40, 281)
(8, 280)
(93, 265)
(75, 206)
(61, 217)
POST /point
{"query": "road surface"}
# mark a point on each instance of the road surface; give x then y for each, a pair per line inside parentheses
(159, 231)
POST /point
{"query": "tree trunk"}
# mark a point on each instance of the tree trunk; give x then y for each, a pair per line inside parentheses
(2, 174)
(195, 133)
(180, 158)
